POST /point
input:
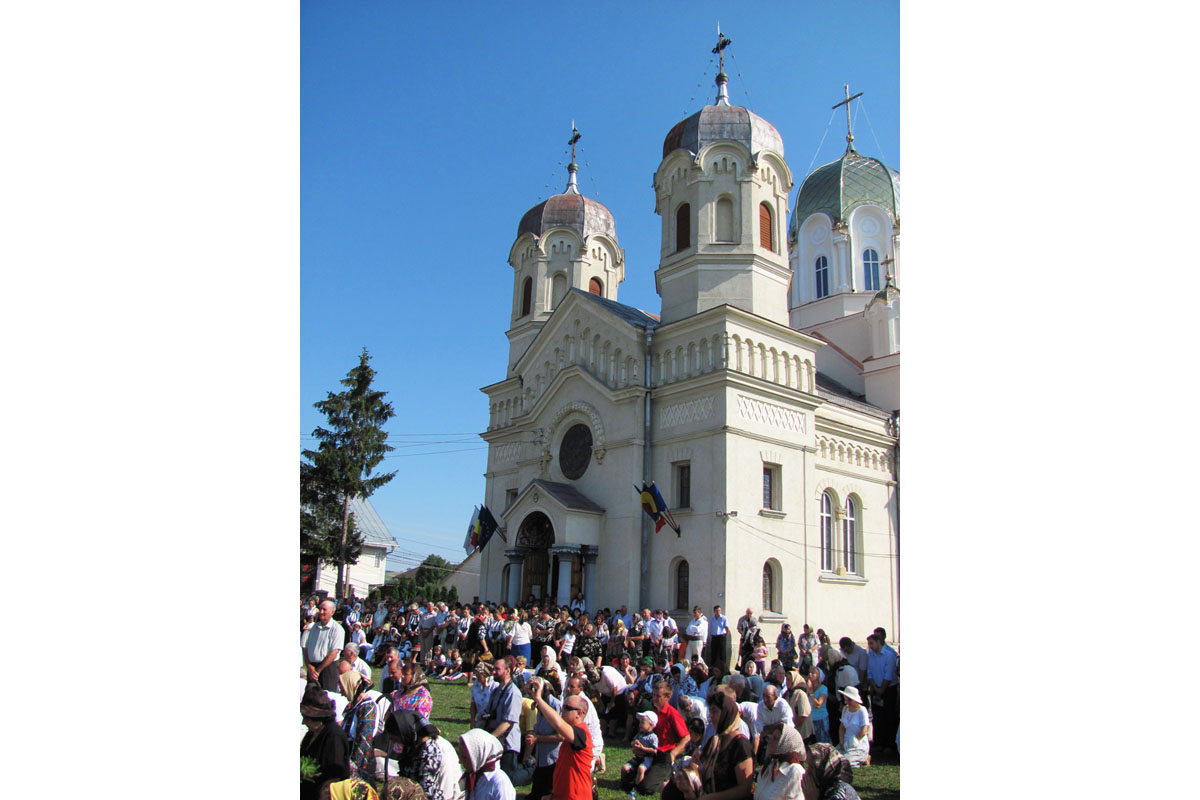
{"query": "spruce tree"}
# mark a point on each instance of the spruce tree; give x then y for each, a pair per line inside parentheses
(348, 450)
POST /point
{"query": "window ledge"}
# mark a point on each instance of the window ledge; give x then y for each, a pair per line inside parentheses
(772, 617)
(772, 513)
(682, 510)
(848, 578)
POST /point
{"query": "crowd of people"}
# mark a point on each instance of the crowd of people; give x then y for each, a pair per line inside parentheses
(705, 709)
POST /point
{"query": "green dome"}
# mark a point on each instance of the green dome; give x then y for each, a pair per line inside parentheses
(839, 187)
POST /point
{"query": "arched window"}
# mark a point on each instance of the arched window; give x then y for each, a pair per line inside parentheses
(683, 228)
(681, 584)
(725, 220)
(596, 287)
(827, 532)
(766, 236)
(770, 588)
(527, 296)
(822, 271)
(870, 270)
(850, 537)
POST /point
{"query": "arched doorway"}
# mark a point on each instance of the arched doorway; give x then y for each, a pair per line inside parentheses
(535, 537)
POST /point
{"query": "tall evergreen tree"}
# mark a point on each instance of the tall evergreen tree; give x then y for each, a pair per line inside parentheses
(348, 451)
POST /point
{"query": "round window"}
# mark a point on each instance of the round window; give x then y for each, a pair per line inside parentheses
(575, 452)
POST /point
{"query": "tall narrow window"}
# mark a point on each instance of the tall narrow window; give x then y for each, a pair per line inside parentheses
(870, 270)
(683, 228)
(765, 233)
(827, 532)
(725, 220)
(683, 480)
(850, 537)
(596, 287)
(822, 271)
(527, 296)
(768, 588)
(681, 584)
(772, 486)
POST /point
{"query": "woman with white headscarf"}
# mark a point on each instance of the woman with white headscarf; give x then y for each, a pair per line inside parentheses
(479, 753)
(782, 772)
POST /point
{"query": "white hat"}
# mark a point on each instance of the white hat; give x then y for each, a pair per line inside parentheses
(650, 715)
(851, 693)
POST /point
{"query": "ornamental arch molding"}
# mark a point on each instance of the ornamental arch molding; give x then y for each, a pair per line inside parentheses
(580, 408)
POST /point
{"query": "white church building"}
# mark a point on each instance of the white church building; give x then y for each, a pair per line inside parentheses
(763, 399)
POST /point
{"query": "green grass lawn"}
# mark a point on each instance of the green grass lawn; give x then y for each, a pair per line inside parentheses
(452, 708)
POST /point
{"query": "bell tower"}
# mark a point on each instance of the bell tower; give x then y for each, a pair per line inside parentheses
(722, 192)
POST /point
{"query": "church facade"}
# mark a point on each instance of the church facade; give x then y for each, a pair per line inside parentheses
(763, 399)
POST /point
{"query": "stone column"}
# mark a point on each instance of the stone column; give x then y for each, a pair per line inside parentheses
(589, 577)
(564, 553)
(516, 560)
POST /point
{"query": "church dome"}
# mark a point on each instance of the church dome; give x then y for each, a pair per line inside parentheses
(839, 187)
(571, 210)
(723, 122)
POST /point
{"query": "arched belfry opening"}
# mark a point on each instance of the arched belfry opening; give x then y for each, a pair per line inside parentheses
(535, 538)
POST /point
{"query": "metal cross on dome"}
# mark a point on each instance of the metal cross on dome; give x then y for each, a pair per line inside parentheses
(722, 43)
(846, 103)
(575, 137)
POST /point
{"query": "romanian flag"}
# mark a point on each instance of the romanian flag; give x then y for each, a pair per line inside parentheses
(469, 542)
(654, 505)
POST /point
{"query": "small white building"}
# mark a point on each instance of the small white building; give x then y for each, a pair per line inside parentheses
(464, 578)
(371, 568)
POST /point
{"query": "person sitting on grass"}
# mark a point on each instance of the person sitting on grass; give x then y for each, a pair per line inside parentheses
(830, 772)
(646, 738)
(855, 729)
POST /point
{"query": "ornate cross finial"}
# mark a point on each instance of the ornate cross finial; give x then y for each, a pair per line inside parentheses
(575, 137)
(887, 269)
(846, 103)
(722, 42)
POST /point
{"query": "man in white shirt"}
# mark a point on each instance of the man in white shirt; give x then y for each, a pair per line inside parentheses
(612, 684)
(654, 633)
(322, 644)
(772, 713)
(696, 633)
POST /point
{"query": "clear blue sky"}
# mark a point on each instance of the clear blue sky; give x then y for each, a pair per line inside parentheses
(426, 134)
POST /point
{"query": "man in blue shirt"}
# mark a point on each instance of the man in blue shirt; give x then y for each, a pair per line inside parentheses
(884, 680)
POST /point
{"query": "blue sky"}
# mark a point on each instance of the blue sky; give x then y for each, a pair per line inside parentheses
(427, 133)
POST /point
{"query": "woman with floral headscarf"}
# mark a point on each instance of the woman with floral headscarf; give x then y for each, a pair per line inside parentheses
(414, 693)
(831, 773)
(726, 763)
(358, 721)
(479, 752)
(782, 773)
